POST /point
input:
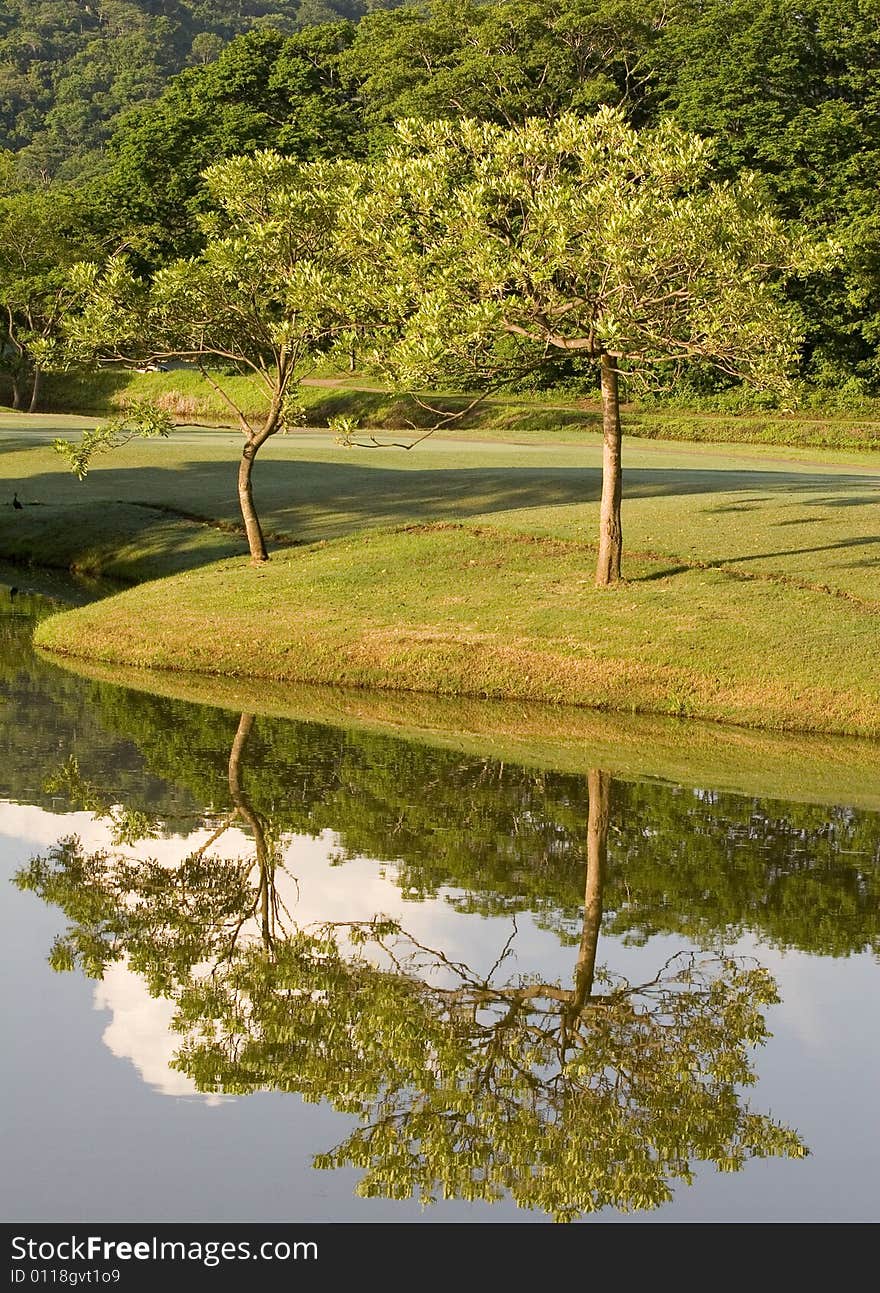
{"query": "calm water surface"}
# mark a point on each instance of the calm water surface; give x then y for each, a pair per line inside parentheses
(265, 970)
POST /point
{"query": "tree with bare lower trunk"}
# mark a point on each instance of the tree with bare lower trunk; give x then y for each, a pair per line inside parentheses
(43, 232)
(503, 250)
(261, 300)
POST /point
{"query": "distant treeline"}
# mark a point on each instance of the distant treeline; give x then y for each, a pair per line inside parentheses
(69, 70)
(126, 103)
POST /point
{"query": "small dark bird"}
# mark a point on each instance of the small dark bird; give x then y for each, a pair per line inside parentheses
(15, 503)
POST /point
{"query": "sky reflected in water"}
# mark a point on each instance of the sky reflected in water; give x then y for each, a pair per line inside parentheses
(104, 1121)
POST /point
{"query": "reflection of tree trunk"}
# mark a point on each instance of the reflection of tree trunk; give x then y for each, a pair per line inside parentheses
(599, 784)
(245, 723)
(36, 389)
(610, 527)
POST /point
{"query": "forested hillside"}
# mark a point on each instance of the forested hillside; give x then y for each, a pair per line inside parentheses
(128, 101)
(68, 69)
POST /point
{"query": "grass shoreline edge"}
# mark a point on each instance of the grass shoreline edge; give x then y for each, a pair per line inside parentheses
(498, 616)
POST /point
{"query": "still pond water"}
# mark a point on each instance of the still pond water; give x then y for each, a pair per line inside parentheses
(258, 969)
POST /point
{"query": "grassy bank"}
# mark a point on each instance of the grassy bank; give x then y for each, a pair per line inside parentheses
(190, 399)
(759, 606)
(485, 612)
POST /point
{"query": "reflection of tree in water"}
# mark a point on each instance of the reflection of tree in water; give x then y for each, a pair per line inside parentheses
(570, 1097)
(44, 709)
(497, 837)
(165, 921)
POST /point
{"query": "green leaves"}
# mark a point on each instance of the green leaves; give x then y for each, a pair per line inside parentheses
(465, 1084)
(576, 235)
(42, 233)
(141, 420)
(473, 1089)
(267, 294)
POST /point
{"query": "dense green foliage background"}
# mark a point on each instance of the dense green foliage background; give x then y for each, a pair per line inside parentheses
(131, 99)
(69, 70)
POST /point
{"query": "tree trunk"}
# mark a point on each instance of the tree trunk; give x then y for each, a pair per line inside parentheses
(243, 805)
(610, 529)
(599, 784)
(16, 394)
(254, 530)
(36, 389)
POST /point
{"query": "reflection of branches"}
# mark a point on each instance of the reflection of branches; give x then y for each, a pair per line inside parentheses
(189, 913)
(267, 854)
(127, 825)
(569, 1097)
(164, 920)
(505, 951)
(472, 1087)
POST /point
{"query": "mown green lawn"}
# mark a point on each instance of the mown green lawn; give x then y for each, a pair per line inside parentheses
(471, 610)
(751, 588)
(809, 515)
(525, 415)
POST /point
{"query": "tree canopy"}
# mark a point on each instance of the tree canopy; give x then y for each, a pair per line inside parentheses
(134, 100)
(263, 91)
(264, 297)
(44, 232)
(500, 251)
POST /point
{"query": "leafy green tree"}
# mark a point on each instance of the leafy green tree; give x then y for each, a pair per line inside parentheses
(79, 68)
(786, 88)
(498, 252)
(263, 91)
(43, 232)
(503, 62)
(264, 298)
(312, 13)
(789, 89)
(69, 72)
(206, 47)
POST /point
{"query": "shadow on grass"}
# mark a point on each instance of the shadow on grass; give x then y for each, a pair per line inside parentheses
(668, 573)
(732, 563)
(306, 500)
(797, 552)
(368, 489)
(121, 540)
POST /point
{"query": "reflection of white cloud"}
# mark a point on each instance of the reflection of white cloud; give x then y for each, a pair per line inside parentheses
(802, 979)
(140, 1031)
(311, 890)
(362, 888)
(35, 827)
